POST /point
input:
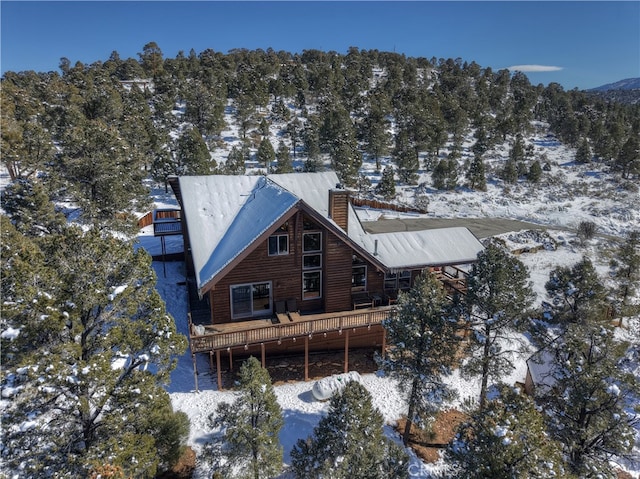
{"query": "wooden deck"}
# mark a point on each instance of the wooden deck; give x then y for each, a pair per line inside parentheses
(247, 333)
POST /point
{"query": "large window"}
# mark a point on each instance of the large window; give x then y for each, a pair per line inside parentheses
(312, 264)
(311, 284)
(249, 300)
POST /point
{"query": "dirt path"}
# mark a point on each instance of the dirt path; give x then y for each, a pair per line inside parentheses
(481, 227)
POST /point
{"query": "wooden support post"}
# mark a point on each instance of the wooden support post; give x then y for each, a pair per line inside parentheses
(230, 360)
(210, 360)
(219, 370)
(346, 351)
(306, 358)
(195, 370)
(263, 357)
(384, 341)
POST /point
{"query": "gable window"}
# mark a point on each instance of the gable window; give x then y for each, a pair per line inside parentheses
(312, 242)
(358, 275)
(250, 300)
(278, 244)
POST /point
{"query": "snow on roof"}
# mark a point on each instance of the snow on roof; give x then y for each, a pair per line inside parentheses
(225, 214)
(541, 369)
(406, 249)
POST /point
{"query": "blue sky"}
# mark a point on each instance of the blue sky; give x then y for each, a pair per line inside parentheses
(577, 44)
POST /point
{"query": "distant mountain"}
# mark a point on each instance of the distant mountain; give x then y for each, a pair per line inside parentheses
(628, 84)
(624, 91)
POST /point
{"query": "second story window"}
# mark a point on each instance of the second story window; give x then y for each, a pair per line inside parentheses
(312, 242)
(278, 244)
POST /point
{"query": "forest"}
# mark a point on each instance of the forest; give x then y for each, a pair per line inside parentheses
(85, 368)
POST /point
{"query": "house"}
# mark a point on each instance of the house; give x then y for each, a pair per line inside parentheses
(283, 263)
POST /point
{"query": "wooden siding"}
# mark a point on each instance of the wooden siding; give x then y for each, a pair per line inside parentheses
(337, 279)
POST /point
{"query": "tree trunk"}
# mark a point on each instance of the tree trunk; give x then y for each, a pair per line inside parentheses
(485, 368)
(410, 413)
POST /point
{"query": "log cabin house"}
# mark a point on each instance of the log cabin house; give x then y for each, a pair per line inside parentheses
(281, 263)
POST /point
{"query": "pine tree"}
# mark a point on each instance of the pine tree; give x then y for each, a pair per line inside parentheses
(235, 162)
(591, 397)
(505, 439)
(284, 160)
(30, 209)
(576, 293)
(628, 160)
(266, 154)
(498, 294)
(583, 153)
(476, 175)
(535, 172)
(249, 444)
(192, 154)
(510, 172)
(88, 363)
(626, 274)
(421, 332)
(445, 174)
(387, 185)
(405, 157)
(349, 442)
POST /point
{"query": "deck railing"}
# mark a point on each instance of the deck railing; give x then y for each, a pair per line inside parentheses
(221, 340)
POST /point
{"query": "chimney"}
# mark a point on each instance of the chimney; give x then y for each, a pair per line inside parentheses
(339, 207)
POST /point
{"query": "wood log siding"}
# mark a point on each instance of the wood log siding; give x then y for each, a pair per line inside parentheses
(281, 331)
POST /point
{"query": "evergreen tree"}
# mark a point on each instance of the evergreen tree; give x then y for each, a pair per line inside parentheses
(421, 332)
(284, 160)
(30, 209)
(628, 160)
(498, 294)
(349, 442)
(626, 274)
(249, 444)
(445, 174)
(591, 397)
(406, 158)
(192, 154)
(87, 366)
(535, 172)
(476, 175)
(387, 185)
(235, 162)
(583, 153)
(576, 293)
(95, 170)
(506, 439)
(509, 173)
(266, 154)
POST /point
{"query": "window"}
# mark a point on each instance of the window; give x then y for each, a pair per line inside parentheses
(249, 300)
(404, 280)
(312, 242)
(278, 244)
(311, 261)
(358, 274)
(311, 281)
(401, 280)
